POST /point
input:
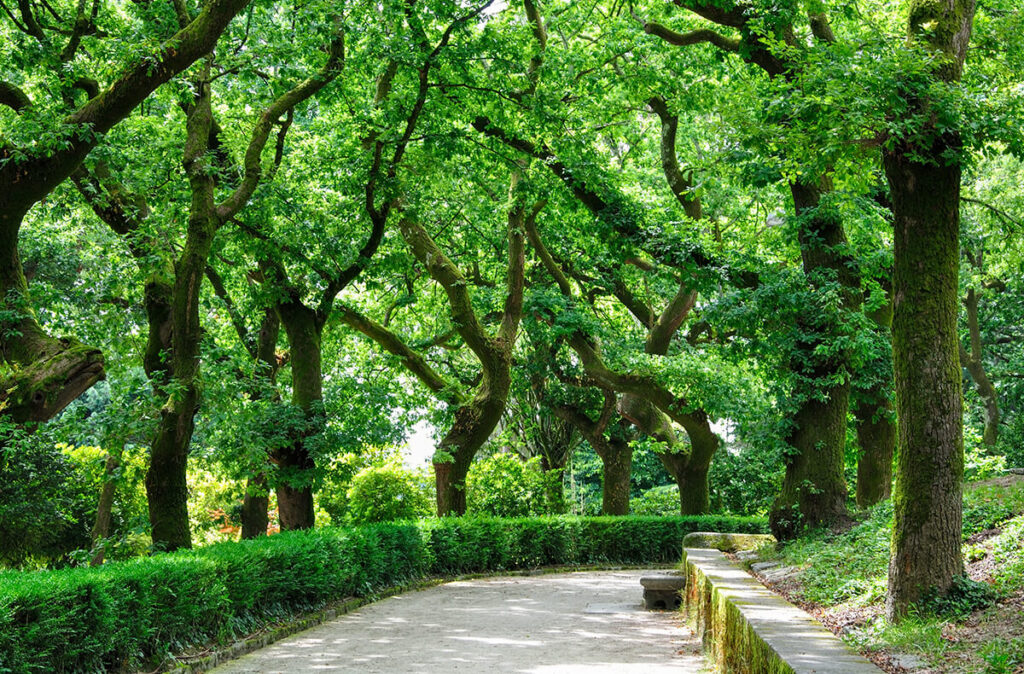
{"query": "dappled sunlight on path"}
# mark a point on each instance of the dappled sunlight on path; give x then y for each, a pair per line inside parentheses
(589, 622)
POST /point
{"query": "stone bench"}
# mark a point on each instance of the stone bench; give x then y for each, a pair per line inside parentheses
(664, 591)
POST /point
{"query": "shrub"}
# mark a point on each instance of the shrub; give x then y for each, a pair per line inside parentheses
(663, 500)
(503, 485)
(384, 494)
(127, 614)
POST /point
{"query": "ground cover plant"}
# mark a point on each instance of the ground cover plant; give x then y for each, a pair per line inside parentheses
(974, 628)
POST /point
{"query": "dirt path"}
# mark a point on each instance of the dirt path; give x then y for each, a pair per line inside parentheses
(590, 622)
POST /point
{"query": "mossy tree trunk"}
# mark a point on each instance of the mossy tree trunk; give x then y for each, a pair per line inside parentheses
(166, 486)
(611, 443)
(814, 490)
(876, 434)
(924, 184)
(874, 418)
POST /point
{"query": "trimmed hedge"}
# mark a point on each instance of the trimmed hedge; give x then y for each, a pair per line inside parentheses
(126, 613)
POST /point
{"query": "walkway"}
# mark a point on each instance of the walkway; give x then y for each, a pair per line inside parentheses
(574, 623)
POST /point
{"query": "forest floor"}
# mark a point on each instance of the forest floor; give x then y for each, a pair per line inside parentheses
(589, 622)
(841, 580)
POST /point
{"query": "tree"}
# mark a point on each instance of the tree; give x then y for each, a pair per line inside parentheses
(52, 372)
(924, 174)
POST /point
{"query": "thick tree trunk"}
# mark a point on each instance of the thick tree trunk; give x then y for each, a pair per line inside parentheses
(617, 465)
(294, 463)
(874, 418)
(166, 482)
(876, 434)
(814, 490)
(924, 185)
(929, 469)
(255, 503)
(473, 425)
(50, 372)
(688, 466)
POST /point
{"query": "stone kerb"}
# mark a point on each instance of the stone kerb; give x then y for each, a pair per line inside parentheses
(747, 629)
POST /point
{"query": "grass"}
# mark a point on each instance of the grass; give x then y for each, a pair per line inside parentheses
(976, 629)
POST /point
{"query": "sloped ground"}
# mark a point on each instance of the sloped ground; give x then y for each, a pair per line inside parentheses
(841, 580)
(590, 622)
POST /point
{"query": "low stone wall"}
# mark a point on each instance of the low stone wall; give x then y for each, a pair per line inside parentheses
(747, 629)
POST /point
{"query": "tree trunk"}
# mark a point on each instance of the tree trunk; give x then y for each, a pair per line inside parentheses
(976, 367)
(294, 463)
(104, 509)
(166, 481)
(814, 490)
(876, 435)
(928, 494)
(617, 463)
(924, 184)
(473, 425)
(254, 507)
(874, 418)
(257, 499)
(49, 373)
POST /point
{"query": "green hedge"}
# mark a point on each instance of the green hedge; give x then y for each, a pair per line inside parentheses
(128, 613)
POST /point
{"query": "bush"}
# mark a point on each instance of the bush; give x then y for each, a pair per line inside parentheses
(503, 485)
(126, 614)
(663, 500)
(385, 494)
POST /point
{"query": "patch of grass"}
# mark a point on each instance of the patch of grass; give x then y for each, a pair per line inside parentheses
(1003, 656)
(990, 506)
(851, 567)
(917, 633)
(1008, 555)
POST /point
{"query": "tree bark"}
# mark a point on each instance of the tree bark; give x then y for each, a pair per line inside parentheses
(874, 418)
(617, 468)
(814, 490)
(294, 463)
(166, 483)
(924, 184)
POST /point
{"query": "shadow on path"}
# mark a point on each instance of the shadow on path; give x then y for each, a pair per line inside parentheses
(589, 622)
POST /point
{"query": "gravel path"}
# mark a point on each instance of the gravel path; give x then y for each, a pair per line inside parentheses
(572, 623)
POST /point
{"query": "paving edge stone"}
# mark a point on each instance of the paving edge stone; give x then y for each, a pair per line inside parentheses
(748, 629)
(197, 664)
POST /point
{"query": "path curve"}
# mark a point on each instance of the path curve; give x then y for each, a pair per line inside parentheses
(571, 623)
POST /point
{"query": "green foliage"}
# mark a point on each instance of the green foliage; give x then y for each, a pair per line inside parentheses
(46, 508)
(988, 507)
(386, 493)
(663, 500)
(503, 485)
(961, 600)
(853, 566)
(1008, 555)
(135, 612)
(1003, 656)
